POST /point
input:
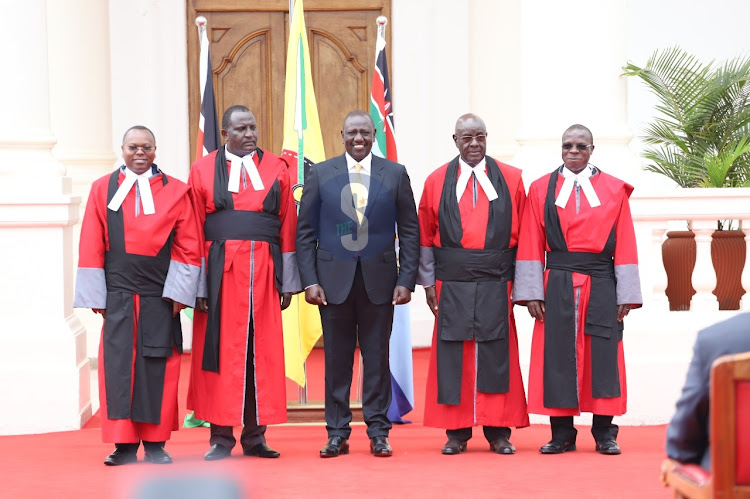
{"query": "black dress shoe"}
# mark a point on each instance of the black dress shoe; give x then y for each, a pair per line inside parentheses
(608, 447)
(502, 446)
(380, 447)
(558, 447)
(453, 447)
(336, 445)
(120, 457)
(157, 456)
(217, 452)
(261, 450)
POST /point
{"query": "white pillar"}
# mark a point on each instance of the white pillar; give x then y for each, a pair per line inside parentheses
(494, 56)
(572, 59)
(44, 372)
(427, 100)
(80, 108)
(149, 77)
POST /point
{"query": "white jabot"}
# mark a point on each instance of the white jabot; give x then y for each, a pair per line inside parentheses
(581, 179)
(235, 173)
(144, 189)
(481, 176)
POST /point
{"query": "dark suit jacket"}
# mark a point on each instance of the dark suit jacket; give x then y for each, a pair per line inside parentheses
(330, 240)
(687, 434)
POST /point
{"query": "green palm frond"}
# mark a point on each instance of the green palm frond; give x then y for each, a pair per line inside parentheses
(701, 134)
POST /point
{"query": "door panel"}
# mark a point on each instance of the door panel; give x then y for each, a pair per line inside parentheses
(248, 59)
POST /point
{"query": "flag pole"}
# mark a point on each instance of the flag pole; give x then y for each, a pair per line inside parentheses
(201, 23)
(301, 390)
(381, 21)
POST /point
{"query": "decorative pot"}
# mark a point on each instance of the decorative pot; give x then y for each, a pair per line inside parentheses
(728, 257)
(678, 255)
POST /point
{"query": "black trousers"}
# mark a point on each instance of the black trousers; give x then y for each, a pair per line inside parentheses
(252, 433)
(133, 448)
(491, 433)
(601, 428)
(357, 318)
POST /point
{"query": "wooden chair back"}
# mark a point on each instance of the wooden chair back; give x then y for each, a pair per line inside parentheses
(730, 426)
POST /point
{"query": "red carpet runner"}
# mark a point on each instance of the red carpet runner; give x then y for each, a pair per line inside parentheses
(69, 464)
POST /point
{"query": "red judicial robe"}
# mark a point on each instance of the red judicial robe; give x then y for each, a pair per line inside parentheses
(144, 235)
(584, 231)
(475, 408)
(248, 278)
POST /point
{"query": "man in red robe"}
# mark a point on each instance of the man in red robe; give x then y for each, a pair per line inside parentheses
(577, 220)
(247, 218)
(139, 265)
(469, 219)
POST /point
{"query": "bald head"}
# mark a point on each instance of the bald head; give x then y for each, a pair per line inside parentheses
(582, 129)
(469, 117)
(471, 138)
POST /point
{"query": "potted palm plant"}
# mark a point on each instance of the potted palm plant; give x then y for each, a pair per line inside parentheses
(700, 138)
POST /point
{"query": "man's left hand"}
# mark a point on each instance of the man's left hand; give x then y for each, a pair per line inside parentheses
(286, 299)
(401, 295)
(176, 307)
(622, 311)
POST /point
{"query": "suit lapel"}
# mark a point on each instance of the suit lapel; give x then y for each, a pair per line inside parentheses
(340, 173)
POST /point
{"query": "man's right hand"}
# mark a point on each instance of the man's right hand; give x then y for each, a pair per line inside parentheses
(201, 305)
(536, 309)
(314, 295)
(432, 301)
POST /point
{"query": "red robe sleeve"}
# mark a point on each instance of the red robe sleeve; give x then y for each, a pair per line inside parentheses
(91, 286)
(183, 276)
(288, 217)
(198, 200)
(529, 280)
(626, 255)
(428, 228)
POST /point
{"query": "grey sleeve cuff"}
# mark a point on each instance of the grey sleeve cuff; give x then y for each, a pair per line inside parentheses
(426, 271)
(290, 281)
(91, 288)
(202, 282)
(182, 283)
(529, 281)
(628, 285)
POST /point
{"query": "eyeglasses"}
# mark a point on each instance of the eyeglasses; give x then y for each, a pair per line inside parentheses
(134, 148)
(580, 147)
(467, 139)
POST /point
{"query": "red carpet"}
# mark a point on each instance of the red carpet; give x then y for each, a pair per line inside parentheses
(69, 464)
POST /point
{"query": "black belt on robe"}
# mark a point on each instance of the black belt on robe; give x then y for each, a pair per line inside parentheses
(474, 286)
(158, 333)
(230, 224)
(474, 291)
(560, 365)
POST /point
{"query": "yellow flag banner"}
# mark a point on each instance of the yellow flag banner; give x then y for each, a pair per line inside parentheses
(303, 147)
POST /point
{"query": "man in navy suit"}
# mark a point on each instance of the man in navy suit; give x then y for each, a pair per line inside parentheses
(350, 210)
(687, 434)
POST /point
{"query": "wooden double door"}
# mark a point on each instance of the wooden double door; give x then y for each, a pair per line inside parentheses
(248, 58)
